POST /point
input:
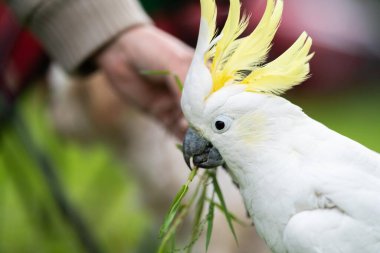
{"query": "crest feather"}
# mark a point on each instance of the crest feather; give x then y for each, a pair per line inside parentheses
(239, 61)
(288, 70)
(253, 49)
(208, 13)
(232, 29)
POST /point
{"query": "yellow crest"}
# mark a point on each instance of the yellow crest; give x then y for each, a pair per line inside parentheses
(234, 60)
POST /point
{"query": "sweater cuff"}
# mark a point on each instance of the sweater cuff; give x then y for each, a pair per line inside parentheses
(72, 30)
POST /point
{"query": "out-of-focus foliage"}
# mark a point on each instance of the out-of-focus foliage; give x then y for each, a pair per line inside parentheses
(93, 181)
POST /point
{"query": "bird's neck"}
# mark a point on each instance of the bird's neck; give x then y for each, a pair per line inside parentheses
(276, 154)
(265, 175)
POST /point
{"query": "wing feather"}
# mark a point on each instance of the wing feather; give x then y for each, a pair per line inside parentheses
(329, 230)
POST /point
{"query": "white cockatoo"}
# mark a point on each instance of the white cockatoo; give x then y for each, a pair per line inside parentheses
(306, 187)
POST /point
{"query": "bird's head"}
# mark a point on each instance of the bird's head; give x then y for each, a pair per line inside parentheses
(230, 93)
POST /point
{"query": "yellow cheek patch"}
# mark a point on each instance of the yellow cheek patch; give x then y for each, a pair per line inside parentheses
(250, 128)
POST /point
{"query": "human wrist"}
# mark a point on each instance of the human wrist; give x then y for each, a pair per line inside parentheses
(72, 31)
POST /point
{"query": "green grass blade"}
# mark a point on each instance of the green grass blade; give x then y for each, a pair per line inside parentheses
(233, 217)
(164, 244)
(179, 147)
(192, 175)
(173, 209)
(163, 73)
(210, 221)
(155, 72)
(168, 237)
(172, 243)
(223, 205)
(200, 206)
(176, 204)
(197, 225)
(178, 82)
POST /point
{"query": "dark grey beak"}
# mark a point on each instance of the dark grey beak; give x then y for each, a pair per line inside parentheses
(204, 154)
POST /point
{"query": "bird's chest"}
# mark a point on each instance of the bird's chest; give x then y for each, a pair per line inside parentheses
(272, 201)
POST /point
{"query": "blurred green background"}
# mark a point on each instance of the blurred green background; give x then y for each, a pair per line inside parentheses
(94, 182)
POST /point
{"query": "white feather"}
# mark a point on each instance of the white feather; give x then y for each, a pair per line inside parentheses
(293, 171)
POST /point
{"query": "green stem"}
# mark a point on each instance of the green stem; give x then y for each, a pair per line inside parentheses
(183, 212)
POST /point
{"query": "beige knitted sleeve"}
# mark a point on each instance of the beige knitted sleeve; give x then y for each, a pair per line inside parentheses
(72, 30)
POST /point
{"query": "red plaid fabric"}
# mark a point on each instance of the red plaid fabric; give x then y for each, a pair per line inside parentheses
(21, 56)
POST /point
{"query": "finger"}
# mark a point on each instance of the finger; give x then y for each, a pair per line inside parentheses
(157, 102)
(163, 103)
(180, 128)
(175, 123)
(179, 71)
(135, 89)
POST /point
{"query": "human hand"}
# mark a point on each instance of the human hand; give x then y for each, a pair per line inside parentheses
(148, 48)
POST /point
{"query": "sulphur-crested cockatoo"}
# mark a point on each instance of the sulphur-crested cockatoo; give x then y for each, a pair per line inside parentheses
(306, 187)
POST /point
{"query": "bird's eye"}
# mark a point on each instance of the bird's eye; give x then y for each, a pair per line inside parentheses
(221, 124)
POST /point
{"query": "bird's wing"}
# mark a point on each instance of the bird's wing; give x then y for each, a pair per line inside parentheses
(349, 223)
(329, 230)
(355, 192)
